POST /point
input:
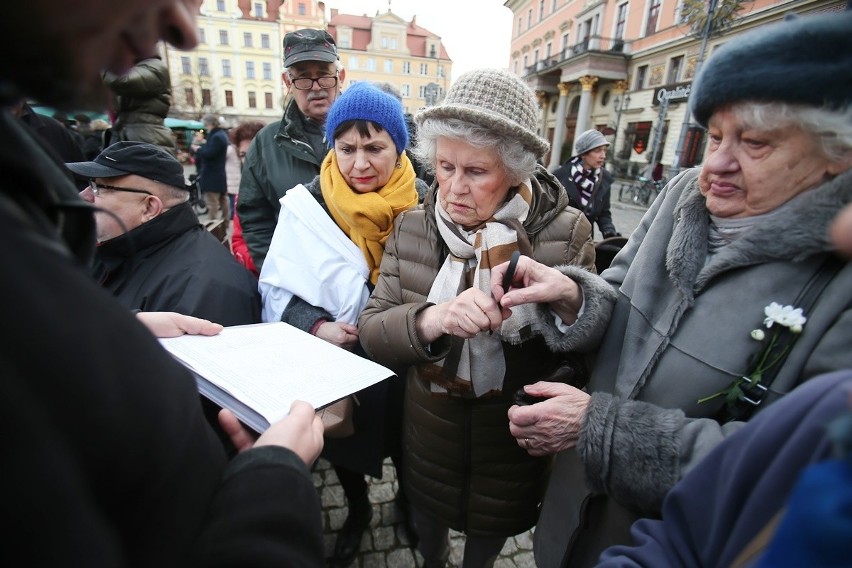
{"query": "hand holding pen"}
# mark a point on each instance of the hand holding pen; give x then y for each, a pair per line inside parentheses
(534, 283)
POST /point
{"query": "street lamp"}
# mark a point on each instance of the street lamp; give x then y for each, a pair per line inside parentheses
(707, 29)
(621, 103)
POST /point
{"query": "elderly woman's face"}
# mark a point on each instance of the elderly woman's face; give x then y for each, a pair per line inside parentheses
(472, 183)
(749, 172)
(365, 163)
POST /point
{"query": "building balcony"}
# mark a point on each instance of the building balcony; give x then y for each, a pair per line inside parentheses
(595, 55)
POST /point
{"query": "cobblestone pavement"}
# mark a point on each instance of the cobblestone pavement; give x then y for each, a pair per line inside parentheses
(385, 544)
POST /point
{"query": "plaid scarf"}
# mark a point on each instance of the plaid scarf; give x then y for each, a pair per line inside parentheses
(476, 366)
(584, 179)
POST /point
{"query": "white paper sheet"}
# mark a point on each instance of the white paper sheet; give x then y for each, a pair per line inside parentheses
(267, 366)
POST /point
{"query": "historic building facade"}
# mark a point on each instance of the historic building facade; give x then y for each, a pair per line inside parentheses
(236, 70)
(625, 67)
(387, 49)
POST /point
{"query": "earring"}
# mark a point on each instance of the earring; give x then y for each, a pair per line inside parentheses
(399, 164)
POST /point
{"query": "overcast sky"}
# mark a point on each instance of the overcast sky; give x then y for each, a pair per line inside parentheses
(476, 33)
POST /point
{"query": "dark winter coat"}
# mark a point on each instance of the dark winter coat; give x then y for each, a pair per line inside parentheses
(679, 332)
(212, 155)
(57, 136)
(463, 467)
(108, 460)
(144, 98)
(712, 515)
(172, 264)
(597, 210)
(278, 159)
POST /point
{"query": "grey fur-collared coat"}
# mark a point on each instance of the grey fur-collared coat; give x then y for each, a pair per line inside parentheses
(680, 331)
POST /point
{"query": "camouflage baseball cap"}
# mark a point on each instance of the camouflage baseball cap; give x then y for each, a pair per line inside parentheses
(309, 45)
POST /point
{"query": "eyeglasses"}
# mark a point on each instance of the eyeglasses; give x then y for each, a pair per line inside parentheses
(97, 187)
(306, 83)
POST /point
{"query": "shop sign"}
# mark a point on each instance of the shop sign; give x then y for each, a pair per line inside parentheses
(676, 93)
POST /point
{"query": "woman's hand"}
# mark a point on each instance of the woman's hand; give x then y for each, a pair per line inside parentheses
(468, 314)
(171, 324)
(342, 334)
(535, 283)
(552, 425)
(300, 431)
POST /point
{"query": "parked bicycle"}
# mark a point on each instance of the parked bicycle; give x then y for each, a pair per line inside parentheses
(642, 191)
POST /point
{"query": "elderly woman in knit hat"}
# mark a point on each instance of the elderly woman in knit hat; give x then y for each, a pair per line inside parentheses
(726, 297)
(587, 182)
(432, 313)
(324, 261)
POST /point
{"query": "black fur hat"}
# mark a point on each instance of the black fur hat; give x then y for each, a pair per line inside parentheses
(805, 60)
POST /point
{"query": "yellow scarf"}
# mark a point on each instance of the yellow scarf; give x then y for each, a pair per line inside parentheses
(367, 218)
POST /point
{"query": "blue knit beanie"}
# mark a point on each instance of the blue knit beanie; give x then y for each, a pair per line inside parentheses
(367, 102)
(805, 60)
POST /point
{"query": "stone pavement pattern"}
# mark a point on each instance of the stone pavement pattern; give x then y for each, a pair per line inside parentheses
(385, 544)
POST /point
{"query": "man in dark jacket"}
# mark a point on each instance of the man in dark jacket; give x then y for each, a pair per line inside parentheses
(152, 254)
(108, 460)
(287, 153)
(210, 156)
(587, 182)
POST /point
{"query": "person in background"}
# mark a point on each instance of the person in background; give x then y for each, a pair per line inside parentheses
(588, 183)
(729, 280)
(70, 125)
(94, 143)
(419, 169)
(365, 182)
(52, 132)
(432, 314)
(143, 97)
(241, 137)
(210, 154)
(108, 460)
(289, 152)
(152, 253)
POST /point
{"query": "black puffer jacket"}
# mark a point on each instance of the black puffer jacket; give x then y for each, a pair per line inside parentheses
(172, 264)
(144, 98)
(463, 466)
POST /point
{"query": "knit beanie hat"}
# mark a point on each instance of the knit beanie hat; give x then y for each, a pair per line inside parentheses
(495, 99)
(804, 60)
(367, 102)
(589, 140)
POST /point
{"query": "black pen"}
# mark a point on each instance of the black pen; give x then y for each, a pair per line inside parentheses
(510, 273)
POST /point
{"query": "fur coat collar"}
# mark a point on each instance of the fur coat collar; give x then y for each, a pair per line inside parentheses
(796, 234)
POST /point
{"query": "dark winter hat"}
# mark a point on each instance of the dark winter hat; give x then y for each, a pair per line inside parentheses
(367, 102)
(495, 99)
(137, 158)
(589, 140)
(805, 60)
(309, 45)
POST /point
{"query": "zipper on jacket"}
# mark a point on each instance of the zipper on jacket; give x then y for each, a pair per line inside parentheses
(466, 467)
